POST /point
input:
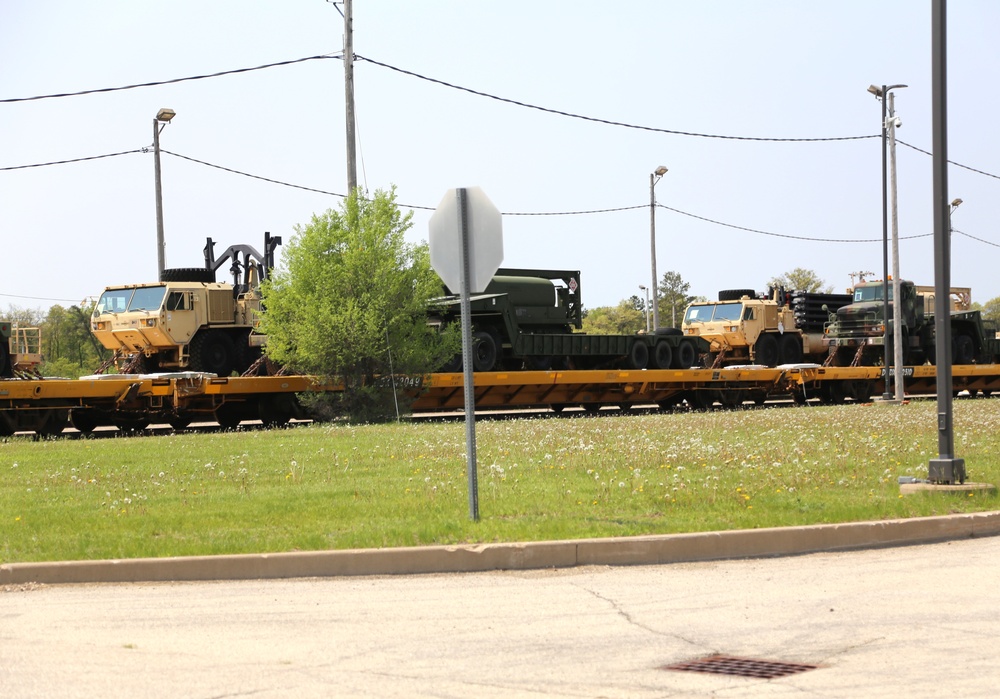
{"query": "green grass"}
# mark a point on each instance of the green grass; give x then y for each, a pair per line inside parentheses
(329, 487)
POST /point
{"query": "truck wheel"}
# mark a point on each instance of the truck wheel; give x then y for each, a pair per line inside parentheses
(188, 274)
(663, 355)
(484, 351)
(766, 350)
(685, 356)
(790, 349)
(638, 355)
(963, 349)
(735, 294)
(213, 352)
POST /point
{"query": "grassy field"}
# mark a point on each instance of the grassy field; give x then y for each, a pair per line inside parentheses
(336, 486)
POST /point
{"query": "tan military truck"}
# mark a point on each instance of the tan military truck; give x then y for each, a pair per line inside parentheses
(188, 320)
(767, 330)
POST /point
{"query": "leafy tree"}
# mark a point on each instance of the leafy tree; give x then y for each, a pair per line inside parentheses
(350, 304)
(623, 319)
(991, 311)
(66, 336)
(673, 299)
(800, 279)
(23, 317)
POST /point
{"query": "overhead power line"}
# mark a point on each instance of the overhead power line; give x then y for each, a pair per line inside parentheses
(74, 160)
(509, 213)
(784, 235)
(955, 230)
(608, 121)
(950, 162)
(167, 82)
(564, 213)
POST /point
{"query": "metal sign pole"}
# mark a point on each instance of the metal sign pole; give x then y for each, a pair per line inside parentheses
(468, 381)
(946, 468)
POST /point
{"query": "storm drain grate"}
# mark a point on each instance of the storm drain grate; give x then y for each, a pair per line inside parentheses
(740, 667)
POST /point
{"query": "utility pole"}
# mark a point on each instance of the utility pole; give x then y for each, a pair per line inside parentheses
(352, 158)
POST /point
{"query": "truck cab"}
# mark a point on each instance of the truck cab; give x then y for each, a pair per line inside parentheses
(746, 329)
(173, 326)
(856, 332)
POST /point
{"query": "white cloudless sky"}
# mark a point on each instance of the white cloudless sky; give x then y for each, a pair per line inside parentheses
(770, 69)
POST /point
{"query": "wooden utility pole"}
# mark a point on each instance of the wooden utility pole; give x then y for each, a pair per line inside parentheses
(352, 158)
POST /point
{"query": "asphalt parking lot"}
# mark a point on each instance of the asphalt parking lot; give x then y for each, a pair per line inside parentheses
(905, 621)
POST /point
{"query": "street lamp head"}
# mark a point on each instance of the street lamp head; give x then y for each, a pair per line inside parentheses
(956, 203)
(165, 115)
(875, 90)
(642, 287)
(660, 171)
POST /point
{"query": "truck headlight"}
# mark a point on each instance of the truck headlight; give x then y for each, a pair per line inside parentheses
(149, 322)
(101, 325)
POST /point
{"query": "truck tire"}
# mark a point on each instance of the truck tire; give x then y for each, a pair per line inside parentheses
(663, 355)
(212, 351)
(963, 349)
(188, 274)
(735, 294)
(766, 351)
(790, 349)
(484, 351)
(638, 355)
(685, 355)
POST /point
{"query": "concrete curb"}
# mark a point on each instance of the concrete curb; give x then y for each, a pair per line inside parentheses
(639, 550)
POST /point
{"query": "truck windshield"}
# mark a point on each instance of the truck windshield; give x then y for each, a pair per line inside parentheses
(113, 301)
(870, 293)
(718, 311)
(147, 298)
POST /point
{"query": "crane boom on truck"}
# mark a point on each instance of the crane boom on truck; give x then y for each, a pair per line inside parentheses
(188, 320)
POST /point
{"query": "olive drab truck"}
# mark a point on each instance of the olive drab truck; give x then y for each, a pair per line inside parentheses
(769, 330)
(187, 320)
(856, 333)
(529, 318)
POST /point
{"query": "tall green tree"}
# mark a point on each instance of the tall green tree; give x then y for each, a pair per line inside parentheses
(800, 279)
(349, 303)
(674, 298)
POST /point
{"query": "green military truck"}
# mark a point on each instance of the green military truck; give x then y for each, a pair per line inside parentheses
(529, 318)
(855, 334)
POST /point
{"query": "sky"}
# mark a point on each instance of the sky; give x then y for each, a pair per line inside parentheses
(704, 88)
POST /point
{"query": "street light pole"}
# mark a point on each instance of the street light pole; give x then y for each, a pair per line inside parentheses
(880, 94)
(162, 117)
(897, 311)
(643, 287)
(654, 177)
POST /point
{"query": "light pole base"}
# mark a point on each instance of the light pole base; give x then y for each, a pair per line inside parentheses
(946, 471)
